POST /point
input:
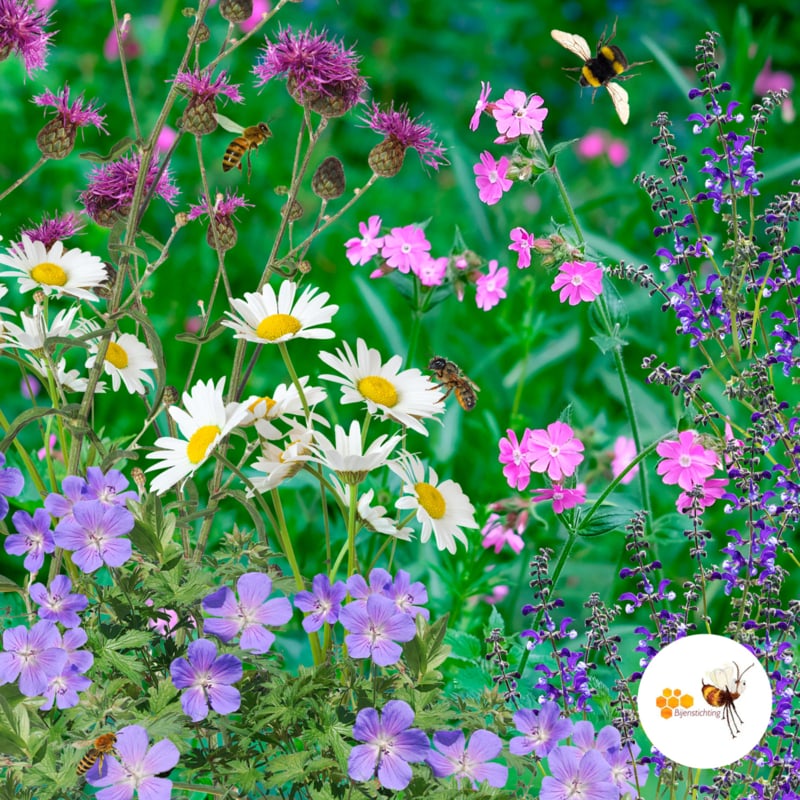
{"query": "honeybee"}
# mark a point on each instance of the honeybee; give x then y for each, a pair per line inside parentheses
(102, 746)
(722, 688)
(250, 139)
(602, 69)
(454, 380)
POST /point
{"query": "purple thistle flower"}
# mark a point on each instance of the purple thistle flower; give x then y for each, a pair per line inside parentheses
(202, 87)
(137, 768)
(22, 32)
(379, 582)
(390, 745)
(410, 133)
(57, 604)
(111, 187)
(319, 72)
(543, 730)
(52, 229)
(71, 642)
(322, 604)
(95, 533)
(108, 488)
(33, 537)
(224, 208)
(11, 484)
(73, 115)
(249, 615)
(471, 761)
(374, 628)
(33, 656)
(207, 680)
(578, 776)
(60, 505)
(407, 596)
(62, 690)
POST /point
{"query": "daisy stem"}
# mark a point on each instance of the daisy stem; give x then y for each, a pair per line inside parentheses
(17, 183)
(351, 530)
(25, 458)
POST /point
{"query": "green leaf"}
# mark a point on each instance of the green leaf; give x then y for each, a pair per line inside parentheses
(7, 585)
(114, 153)
(130, 640)
(559, 146)
(131, 667)
(464, 647)
(607, 520)
(288, 768)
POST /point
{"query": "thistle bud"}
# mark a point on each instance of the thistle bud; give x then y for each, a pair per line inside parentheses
(386, 158)
(236, 10)
(293, 212)
(170, 396)
(203, 33)
(329, 181)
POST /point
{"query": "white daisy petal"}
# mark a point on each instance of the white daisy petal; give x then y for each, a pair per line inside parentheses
(125, 361)
(277, 464)
(347, 456)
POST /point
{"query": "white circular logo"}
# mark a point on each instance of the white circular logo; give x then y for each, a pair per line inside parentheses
(705, 701)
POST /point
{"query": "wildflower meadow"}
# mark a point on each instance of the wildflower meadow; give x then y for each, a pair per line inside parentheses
(387, 392)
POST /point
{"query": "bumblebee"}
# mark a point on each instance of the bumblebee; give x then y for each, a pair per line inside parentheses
(454, 380)
(603, 69)
(250, 139)
(103, 745)
(722, 690)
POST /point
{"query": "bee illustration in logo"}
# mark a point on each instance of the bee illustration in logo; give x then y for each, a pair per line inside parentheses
(250, 138)
(721, 688)
(454, 380)
(102, 746)
(603, 69)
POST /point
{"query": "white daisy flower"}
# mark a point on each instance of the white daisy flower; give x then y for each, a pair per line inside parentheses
(267, 318)
(277, 465)
(373, 518)
(206, 420)
(347, 456)
(125, 361)
(4, 309)
(71, 272)
(442, 507)
(35, 330)
(70, 380)
(404, 395)
(285, 402)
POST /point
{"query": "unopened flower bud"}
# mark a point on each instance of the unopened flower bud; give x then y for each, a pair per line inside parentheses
(170, 396)
(181, 219)
(293, 212)
(329, 181)
(203, 33)
(304, 266)
(236, 10)
(137, 473)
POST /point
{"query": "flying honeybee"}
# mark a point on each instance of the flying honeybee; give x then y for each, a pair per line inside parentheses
(721, 688)
(602, 69)
(454, 380)
(250, 138)
(102, 746)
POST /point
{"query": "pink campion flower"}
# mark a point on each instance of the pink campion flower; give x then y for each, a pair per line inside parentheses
(517, 115)
(592, 145)
(521, 242)
(431, 271)
(562, 497)
(578, 281)
(491, 288)
(490, 178)
(624, 453)
(702, 496)
(166, 138)
(405, 248)
(499, 593)
(767, 81)
(555, 451)
(361, 250)
(130, 44)
(617, 152)
(260, 8)
(496, 534)
(686, 462)
(480, 106)
(22, 33)
(514, 456)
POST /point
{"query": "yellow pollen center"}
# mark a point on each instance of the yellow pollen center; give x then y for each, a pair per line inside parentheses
(430, 498)
(268, 402)
(276, 326)
(116, 355)
(379, 390)
(49, 274)
(200, 442)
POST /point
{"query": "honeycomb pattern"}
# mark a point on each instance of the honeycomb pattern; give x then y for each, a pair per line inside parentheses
(670, 699)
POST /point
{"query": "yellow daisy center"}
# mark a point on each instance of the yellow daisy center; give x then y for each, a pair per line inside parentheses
(379, 390)
(49, 274)
(268, 402)
(431, 499)
(276, 326)
(200, 442)
(117, 355)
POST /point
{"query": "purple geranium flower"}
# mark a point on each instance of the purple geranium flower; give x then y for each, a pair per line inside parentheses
(577, 776)
(407, 596)
(56, 603)
(623, 763)
(375, 628)
(322, 604)
(543, 730)
(60, 505)
(471, 761)
(71, 642)
(207, 680)
(608, 738)
(62, 690)
(109, 488)
(136, 769)
(360, 590)
(22, 32)
(249, 615)
(34, 537)
(95, 534)
(33, 656)
(390, 745)
(11, 484)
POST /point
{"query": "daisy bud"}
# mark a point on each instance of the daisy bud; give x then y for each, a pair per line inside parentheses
(170, 396)
(293, 212)
(386, 158)
(329, 181)
(56, 139)
(39, 296)
(137, 473)
(236, 10)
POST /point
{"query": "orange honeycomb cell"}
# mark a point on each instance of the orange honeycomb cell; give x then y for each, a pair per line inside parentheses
(676, 692)
(661, 701)
(672, 702)
(666, 713)
(687, 701)
(667, 692)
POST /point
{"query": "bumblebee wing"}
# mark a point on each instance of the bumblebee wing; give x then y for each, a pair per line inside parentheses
(619, 97)
(722, 677)
(228, 124)
(574, 43)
